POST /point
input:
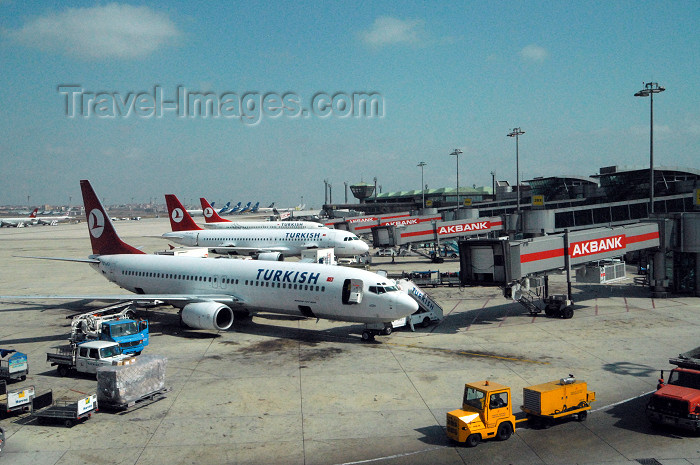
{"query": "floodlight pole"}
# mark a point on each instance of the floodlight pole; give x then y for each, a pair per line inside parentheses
(421, 165)
(457, 152)
(651, 88)
(515, 133)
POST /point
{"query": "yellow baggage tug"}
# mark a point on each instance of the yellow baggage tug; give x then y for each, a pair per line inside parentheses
(487, 408)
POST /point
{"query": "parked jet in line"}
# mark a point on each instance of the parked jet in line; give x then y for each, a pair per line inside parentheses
(207, 291)
(225, 209)
(234, 209)
(239, 209)
(278, 210)
(248, 208)
(268, 244)
(214, 221)
(21, 221)
(53, 220)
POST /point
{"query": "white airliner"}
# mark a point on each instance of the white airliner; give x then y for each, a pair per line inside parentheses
(20, 222)
(234, 209)
(248, 208)
(239, 209)
(226, 208)
(273, 209)
(214, 221)
(208, 290)
(53, 220)
(268, 244)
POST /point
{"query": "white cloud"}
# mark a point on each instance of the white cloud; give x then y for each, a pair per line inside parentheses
(391, 31)
(534, 53)
(110, 31)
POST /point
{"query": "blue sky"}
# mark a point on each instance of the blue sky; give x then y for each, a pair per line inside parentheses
(456, 75)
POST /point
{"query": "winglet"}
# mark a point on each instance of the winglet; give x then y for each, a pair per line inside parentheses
(210, 215)
(180, 220)
(103, 236)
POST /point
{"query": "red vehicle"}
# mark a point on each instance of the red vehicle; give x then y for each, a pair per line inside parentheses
(676, 402)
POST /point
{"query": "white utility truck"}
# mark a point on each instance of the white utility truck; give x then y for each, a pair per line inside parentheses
(87, 357)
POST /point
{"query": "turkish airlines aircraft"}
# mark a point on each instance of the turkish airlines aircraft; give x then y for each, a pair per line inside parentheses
(53, 220)
(20, 222)
(268, 244)
(214, 221)
(208, 290)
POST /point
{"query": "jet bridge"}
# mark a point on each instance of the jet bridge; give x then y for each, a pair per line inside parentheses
(522, 266)
(433, 231)
(355, 222)
(366, 224)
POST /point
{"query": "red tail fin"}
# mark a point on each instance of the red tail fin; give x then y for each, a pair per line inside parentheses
(105, 240)
(180, 220)
(33, 214)
(210, 215)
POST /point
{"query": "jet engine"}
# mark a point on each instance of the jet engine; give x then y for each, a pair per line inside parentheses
(271, 256)
(207, 315)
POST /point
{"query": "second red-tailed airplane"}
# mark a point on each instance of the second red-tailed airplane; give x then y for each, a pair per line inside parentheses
(271, 244)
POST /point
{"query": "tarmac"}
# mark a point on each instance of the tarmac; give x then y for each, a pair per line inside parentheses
(281, 390)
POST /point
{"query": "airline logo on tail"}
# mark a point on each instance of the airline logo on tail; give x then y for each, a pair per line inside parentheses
(103, 237)
(96, 223)
(180, 220)
(177, 215)
(208, 212)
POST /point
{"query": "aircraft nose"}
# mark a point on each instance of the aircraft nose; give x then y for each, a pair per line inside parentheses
(362, 247)
(404, 305)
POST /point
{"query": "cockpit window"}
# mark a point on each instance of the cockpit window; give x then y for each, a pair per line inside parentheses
(382, 289)
(376, 289)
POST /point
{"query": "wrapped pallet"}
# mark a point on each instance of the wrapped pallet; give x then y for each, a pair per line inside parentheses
(121, 385)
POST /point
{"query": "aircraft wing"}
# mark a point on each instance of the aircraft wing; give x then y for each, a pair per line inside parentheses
(222, 298)
(247, 250)
(78, 260)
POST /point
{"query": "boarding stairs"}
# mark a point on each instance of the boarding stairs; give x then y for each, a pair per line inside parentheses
(428, 307)
(528, 301)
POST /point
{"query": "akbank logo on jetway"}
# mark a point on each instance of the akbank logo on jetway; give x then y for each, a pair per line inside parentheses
(401, 222)
(362, 220)
(465, 227)
(606, 244)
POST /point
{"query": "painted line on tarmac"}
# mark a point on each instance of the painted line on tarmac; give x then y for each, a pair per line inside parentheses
(471, 354)
(622, 401)
(390, 457)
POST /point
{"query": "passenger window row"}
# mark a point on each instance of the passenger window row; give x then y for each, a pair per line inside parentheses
(181, 277)
(278, 285)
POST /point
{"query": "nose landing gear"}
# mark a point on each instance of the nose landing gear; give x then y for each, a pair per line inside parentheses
(372, 330)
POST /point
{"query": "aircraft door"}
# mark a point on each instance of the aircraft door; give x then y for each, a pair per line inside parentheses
(215, 281)
(352, 291)
(222, 283)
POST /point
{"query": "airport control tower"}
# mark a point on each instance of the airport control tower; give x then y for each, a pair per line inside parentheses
(362, 191)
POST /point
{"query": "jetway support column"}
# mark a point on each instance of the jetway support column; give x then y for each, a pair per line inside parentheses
(659, 275)
(697, 275)
(567, 261)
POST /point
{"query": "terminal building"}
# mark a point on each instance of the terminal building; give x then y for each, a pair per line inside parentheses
(673, 188)
(616, 196)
